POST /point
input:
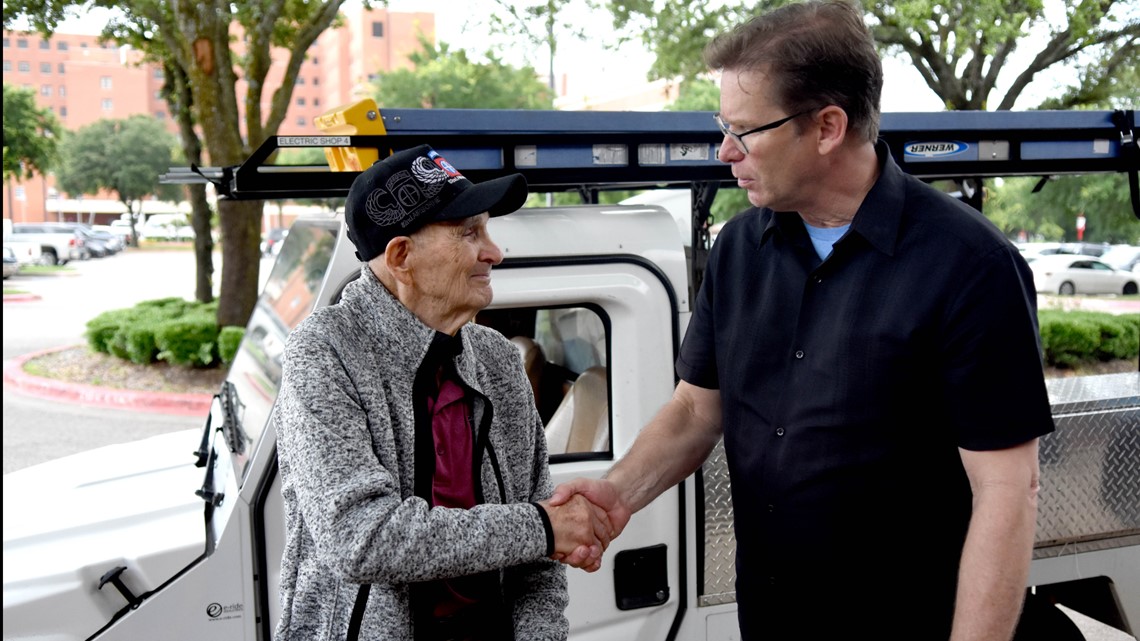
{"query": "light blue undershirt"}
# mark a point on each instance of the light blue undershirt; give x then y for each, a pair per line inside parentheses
(823, 238)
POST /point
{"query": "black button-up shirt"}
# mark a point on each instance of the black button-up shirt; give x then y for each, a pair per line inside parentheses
(848, 386)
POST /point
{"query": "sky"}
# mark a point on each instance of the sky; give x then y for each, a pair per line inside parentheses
(598, 70)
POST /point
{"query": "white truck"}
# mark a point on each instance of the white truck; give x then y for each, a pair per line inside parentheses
(146, 541)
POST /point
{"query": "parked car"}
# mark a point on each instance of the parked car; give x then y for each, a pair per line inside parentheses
(1069, 274)
(114, 240)
(59, 242)
(273, 240)
(11, 263)
(1123, 257)
(166, 227)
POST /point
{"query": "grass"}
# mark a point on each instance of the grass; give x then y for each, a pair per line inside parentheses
(12, 290)
(46, 270)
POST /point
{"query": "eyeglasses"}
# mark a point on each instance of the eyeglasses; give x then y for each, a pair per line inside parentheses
(739, 138)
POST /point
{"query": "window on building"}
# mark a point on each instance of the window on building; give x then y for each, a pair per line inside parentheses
(316, 102)
(22, 43)
(377, 29)
(24, 66)
(45, 90)
(83, 45)
(45, 67)
(59, 67)
(158, 73)
(161, 115)
(44, 44)
(7, 42)
(63, 111)
(61, 45)
(158, 95)
(301, 121)
(316, 80)
(62, 91)
(20, 194)
(105, 82)
(7, 66)
(300, 80)
(300, 102)
(316, 60)
(108, 104)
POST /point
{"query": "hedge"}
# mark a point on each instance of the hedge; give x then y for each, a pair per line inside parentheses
(1072, 338)
(174, 330)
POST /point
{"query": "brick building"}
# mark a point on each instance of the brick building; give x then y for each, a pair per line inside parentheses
(81, 81)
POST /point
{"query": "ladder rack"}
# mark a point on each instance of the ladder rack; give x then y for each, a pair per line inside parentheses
(589, 151)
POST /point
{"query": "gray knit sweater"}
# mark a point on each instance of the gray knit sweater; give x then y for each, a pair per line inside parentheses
(345, 427)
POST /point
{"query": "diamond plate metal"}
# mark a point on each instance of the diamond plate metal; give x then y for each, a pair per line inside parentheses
(1090, 466)
(1090, 480)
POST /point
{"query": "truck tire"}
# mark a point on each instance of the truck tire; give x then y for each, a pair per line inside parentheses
(1129, 289)
(48, 257)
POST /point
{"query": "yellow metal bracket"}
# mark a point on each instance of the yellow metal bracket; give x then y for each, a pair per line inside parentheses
(355, 119)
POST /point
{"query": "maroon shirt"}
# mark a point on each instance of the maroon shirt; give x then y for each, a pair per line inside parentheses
(452, 485)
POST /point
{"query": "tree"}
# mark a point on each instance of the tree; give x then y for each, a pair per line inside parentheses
(123, 156)
(31, 136)
(536, 23)
(446, 79)
(960, 47)
(194, 37)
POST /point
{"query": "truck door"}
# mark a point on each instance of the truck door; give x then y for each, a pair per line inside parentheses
(597, 335)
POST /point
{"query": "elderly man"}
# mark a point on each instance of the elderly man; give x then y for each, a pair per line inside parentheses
(413, 460)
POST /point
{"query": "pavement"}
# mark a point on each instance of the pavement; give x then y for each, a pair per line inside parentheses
(109, 397)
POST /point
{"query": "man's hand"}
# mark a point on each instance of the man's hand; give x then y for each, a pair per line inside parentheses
(582, 532)
(603, 495)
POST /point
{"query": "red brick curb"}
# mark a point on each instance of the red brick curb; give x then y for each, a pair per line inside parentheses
(110, 397)
(20, 298)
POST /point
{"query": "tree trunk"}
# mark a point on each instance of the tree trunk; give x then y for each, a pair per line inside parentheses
(203, 244)
(240, 222)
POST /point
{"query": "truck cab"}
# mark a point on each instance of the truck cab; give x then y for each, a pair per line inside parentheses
(597, 298)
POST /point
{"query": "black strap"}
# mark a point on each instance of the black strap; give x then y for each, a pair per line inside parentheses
(358, 612)
(1130, 150)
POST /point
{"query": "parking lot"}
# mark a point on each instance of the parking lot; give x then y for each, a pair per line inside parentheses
(37, 430)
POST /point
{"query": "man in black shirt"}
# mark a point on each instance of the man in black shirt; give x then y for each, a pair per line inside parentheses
(867, 347)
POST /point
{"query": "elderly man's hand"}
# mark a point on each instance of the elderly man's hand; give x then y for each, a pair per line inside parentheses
(579, 526)
(604, 495)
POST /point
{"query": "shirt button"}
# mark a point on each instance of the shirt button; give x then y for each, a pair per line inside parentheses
(779, 431)
(799, 353)
(771, 508)
(771, 580)
(817, 280)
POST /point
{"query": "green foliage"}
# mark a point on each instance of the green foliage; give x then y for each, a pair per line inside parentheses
(190, 341)
(123, 156)
(959, 47)
(444, 79)
(31, 134)
(172, 329)
(229, 340)
(1051, 213)
(1072, 338)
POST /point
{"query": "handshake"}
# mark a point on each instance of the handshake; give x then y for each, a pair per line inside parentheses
(585, 514)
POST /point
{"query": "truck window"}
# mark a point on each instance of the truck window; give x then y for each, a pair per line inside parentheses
(287, 299)
(564, 351)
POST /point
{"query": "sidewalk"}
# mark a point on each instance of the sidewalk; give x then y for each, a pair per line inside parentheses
(109, 397)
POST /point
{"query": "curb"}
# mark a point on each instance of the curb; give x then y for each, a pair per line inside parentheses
(21, 298)
(108, 397)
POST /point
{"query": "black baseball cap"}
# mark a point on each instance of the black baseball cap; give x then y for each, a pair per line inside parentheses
(409, 189)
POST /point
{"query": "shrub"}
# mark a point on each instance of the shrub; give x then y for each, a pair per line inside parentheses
(101, 329)
(1071, 338)
(179, 331)
(191, 341)
(229, 339)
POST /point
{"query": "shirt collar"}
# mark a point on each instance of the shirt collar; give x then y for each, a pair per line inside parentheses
(878, 218)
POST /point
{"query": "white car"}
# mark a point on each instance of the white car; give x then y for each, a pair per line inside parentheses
(1069, 274)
